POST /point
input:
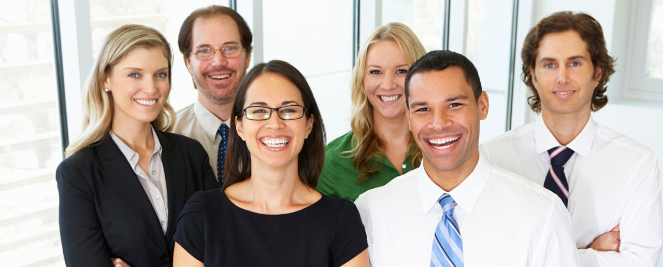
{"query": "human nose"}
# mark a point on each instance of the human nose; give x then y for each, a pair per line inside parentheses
(219, 58)
(439, 121)
(150, 86)
(274, 122)
(388, 82)
(562, 75)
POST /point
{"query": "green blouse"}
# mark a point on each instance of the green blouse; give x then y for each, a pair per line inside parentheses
(339, 175)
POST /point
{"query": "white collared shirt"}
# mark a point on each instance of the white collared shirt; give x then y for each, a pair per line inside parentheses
(504, 220)
(196, 122)
(613, 180)
(153, 183)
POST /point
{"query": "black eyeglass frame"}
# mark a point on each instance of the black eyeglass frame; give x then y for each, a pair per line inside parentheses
(304, 112)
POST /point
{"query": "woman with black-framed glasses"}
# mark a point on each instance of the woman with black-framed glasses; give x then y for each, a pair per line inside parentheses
(268, 212)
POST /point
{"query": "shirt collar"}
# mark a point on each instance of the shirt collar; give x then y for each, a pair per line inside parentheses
(131, 155)
(207, 120)
(465, 194)
(580, 145)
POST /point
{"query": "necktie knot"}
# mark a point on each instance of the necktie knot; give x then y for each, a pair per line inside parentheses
(223, 130)
(559, 155)
(447, 203)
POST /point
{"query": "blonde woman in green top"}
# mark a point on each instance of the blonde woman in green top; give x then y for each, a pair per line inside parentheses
(380, 146)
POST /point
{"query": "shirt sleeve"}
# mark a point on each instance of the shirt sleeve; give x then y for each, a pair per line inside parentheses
(190, 233)
(557, 243)
(350, 238)
(641, 227)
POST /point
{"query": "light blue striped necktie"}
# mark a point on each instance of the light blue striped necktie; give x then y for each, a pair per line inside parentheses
(447, 245)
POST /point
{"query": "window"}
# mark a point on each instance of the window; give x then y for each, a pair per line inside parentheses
(30, 147)
(644, 78)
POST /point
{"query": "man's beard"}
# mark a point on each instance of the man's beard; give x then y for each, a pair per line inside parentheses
(209, 93)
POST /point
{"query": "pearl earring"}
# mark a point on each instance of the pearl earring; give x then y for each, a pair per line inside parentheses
(107, 90)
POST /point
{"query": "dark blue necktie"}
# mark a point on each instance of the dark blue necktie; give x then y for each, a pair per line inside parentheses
(556, 179)
(223, 146)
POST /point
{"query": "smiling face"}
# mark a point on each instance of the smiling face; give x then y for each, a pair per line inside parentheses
(139, 86)
(217, 79)
(444, 119)
(274, 142)
(384, 78)
(563, 75)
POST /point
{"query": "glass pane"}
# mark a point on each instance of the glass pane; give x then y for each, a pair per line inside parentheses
(487, 45)
(424, 17)
(30, 147)
(655, 56)
(321, 48)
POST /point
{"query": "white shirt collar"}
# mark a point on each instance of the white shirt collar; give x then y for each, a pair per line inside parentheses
(131, 155)
(207, 120)
(581, 145)
(465, 194)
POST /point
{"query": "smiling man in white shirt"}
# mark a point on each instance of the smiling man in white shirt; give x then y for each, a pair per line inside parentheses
(456, 209)
(216, 44)
(611, 183)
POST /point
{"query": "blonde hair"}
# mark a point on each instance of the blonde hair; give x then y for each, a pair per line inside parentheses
(365, 143)
(98, 104)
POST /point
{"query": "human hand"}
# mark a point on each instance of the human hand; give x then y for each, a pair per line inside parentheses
(609, 241)
(117, 262)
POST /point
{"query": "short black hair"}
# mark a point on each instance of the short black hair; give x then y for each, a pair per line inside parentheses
(440, 60)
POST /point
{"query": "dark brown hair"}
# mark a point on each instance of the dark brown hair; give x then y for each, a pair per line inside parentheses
(185, 37)
(590, 31)
(311, 157)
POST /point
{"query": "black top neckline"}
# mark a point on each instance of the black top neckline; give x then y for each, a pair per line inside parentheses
(234, 206)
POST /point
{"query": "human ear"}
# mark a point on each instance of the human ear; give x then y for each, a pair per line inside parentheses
(239, 127)
(482, 102)
(309, 125)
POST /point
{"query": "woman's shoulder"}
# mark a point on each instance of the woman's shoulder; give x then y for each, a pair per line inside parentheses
(341, 143)
(339, 207)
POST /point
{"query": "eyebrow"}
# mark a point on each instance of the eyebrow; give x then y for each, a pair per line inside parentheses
(224, 44)
(139, 69)
(569, 58)
(450, 99)
(378, 66)
(287, 102)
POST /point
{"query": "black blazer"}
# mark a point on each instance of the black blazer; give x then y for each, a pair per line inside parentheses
(105, 212)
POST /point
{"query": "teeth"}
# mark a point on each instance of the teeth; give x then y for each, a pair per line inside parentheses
(564, 93)
(220, 76)
(448, 140)
(274, 142)
(146, 102)
(389, 98)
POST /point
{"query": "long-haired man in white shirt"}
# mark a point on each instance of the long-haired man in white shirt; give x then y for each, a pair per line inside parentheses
(609, 182)
(456, 209)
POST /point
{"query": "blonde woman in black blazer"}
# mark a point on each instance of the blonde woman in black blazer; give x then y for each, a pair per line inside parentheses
(125, 180)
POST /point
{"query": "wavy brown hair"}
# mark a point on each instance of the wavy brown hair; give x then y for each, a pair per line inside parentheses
(98, 104)
(365, 143)
(590, 31)
(311, 157)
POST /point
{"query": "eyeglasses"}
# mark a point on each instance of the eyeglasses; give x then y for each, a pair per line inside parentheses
(259, 113)
(208, 52)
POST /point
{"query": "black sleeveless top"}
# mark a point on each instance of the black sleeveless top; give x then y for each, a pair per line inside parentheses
(218, 233)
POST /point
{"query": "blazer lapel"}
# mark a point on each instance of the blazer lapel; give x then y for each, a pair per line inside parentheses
(174, 168)
(121, 177)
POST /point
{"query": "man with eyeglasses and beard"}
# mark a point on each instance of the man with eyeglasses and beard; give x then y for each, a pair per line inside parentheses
(216, 44)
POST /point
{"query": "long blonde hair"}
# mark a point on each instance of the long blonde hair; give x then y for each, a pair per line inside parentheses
(365, 143)
(98, 104)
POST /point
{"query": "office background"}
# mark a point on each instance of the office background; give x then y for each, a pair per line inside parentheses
(47, 48)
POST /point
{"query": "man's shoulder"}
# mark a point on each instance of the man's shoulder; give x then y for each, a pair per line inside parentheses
(186, 112)
(511, 136)
(528, 192)
(186, 120)
(609, 138)
(401, 186)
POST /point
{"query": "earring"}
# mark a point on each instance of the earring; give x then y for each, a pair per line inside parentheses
(107, 90)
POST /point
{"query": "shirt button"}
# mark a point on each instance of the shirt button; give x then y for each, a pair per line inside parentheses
(158, 196)
(404, 166)
(162, 223)
(154, 172)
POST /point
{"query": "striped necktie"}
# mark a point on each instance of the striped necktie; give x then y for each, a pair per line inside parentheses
(556, 179)
(447, 245)
(221, 156)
